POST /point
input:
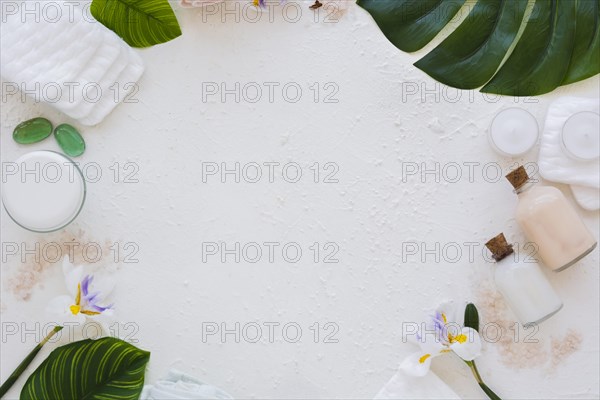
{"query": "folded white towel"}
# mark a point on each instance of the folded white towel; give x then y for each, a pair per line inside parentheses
(587, 197)
(178, 385)
(199, 3)
(554, 164)
(72, 62)
(403, 386)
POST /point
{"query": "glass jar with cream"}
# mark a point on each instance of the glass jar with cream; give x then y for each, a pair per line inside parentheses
(550, 222)
(43, 191)
(523, 284)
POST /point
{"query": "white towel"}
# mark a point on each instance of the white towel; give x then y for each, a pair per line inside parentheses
(587, 197)
(64, 60)
(403, 386)
(198, 3)
(178, 385)
(555, 165)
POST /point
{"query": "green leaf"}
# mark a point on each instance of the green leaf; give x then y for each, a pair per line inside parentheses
(585, 61)
(469, 57)
(472, 317)
(106, 368)
(496, 46)
(411, 24)
(541, 58)
(141, 23)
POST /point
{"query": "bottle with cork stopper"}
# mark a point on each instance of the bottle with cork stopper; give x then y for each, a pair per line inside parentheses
(550, 222)
(522, 284)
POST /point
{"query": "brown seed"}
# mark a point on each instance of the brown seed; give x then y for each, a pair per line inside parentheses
(317, 4)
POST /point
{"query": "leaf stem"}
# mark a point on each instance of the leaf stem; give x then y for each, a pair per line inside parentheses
(25, 363)
(489, 392)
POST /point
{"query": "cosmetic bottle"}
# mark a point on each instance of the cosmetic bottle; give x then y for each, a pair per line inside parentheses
(522, 284)
(550, 223)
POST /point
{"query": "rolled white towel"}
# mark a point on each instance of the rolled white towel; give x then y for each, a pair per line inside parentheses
(178, 385)
(403, 386)
(68, 60)
(198, 3)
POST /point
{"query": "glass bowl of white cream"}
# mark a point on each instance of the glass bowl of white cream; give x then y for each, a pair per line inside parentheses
(42, 191)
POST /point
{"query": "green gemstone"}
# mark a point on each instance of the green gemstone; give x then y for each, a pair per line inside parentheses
(69, 140)
(32, 131)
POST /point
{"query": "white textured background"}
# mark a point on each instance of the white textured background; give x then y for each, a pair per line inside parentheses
(369, 213)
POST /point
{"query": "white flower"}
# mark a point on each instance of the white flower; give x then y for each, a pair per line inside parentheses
(86, 299)
(442, 335)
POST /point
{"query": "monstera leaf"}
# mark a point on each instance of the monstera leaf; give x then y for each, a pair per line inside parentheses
(141, 23)
(107, 368)
(498, 45)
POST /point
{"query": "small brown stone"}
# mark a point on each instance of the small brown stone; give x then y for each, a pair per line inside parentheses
(518, 177)
(499, 247)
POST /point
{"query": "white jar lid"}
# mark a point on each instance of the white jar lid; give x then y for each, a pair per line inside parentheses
(42, 191)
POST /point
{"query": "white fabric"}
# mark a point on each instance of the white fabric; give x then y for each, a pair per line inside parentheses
(198, 3)
(178, 385)
(555, 165)
(72, 50)
(403, 386)
(587, 197)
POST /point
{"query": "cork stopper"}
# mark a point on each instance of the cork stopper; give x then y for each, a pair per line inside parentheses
(499, 247)
(518, 177)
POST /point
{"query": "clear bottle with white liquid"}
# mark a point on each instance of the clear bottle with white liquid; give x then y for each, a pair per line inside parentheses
(551, 223)
(523, 284)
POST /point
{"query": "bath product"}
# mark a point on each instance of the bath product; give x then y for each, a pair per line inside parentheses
(178, 385)
(522, 284)
(568, 151)
(581, 136)
(555, 162)
(513, 132)
(32, 131)
(403, 386)
(199, 3)
(42, 191)
(550, 222)
(80, 67)
(587, 197)
(69, 140)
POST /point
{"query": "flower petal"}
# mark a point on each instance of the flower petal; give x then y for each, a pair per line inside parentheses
(431, 344)
(104, 285)
(467, 345)
(59, 312)
(73, 275)
(448, 309)
(85, 284)
(417, 364)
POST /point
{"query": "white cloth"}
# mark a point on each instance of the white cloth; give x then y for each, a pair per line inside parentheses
(587, 197)
(178, 385)
(198, 3)
(555, 165)
(403, 386)
(67, 59)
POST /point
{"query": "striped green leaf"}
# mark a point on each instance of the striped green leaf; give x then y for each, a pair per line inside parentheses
(103, 369)
(141, 23)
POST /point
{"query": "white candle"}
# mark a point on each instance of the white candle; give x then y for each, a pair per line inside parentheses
(513, 132)
(581, 135)
(42, 191)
